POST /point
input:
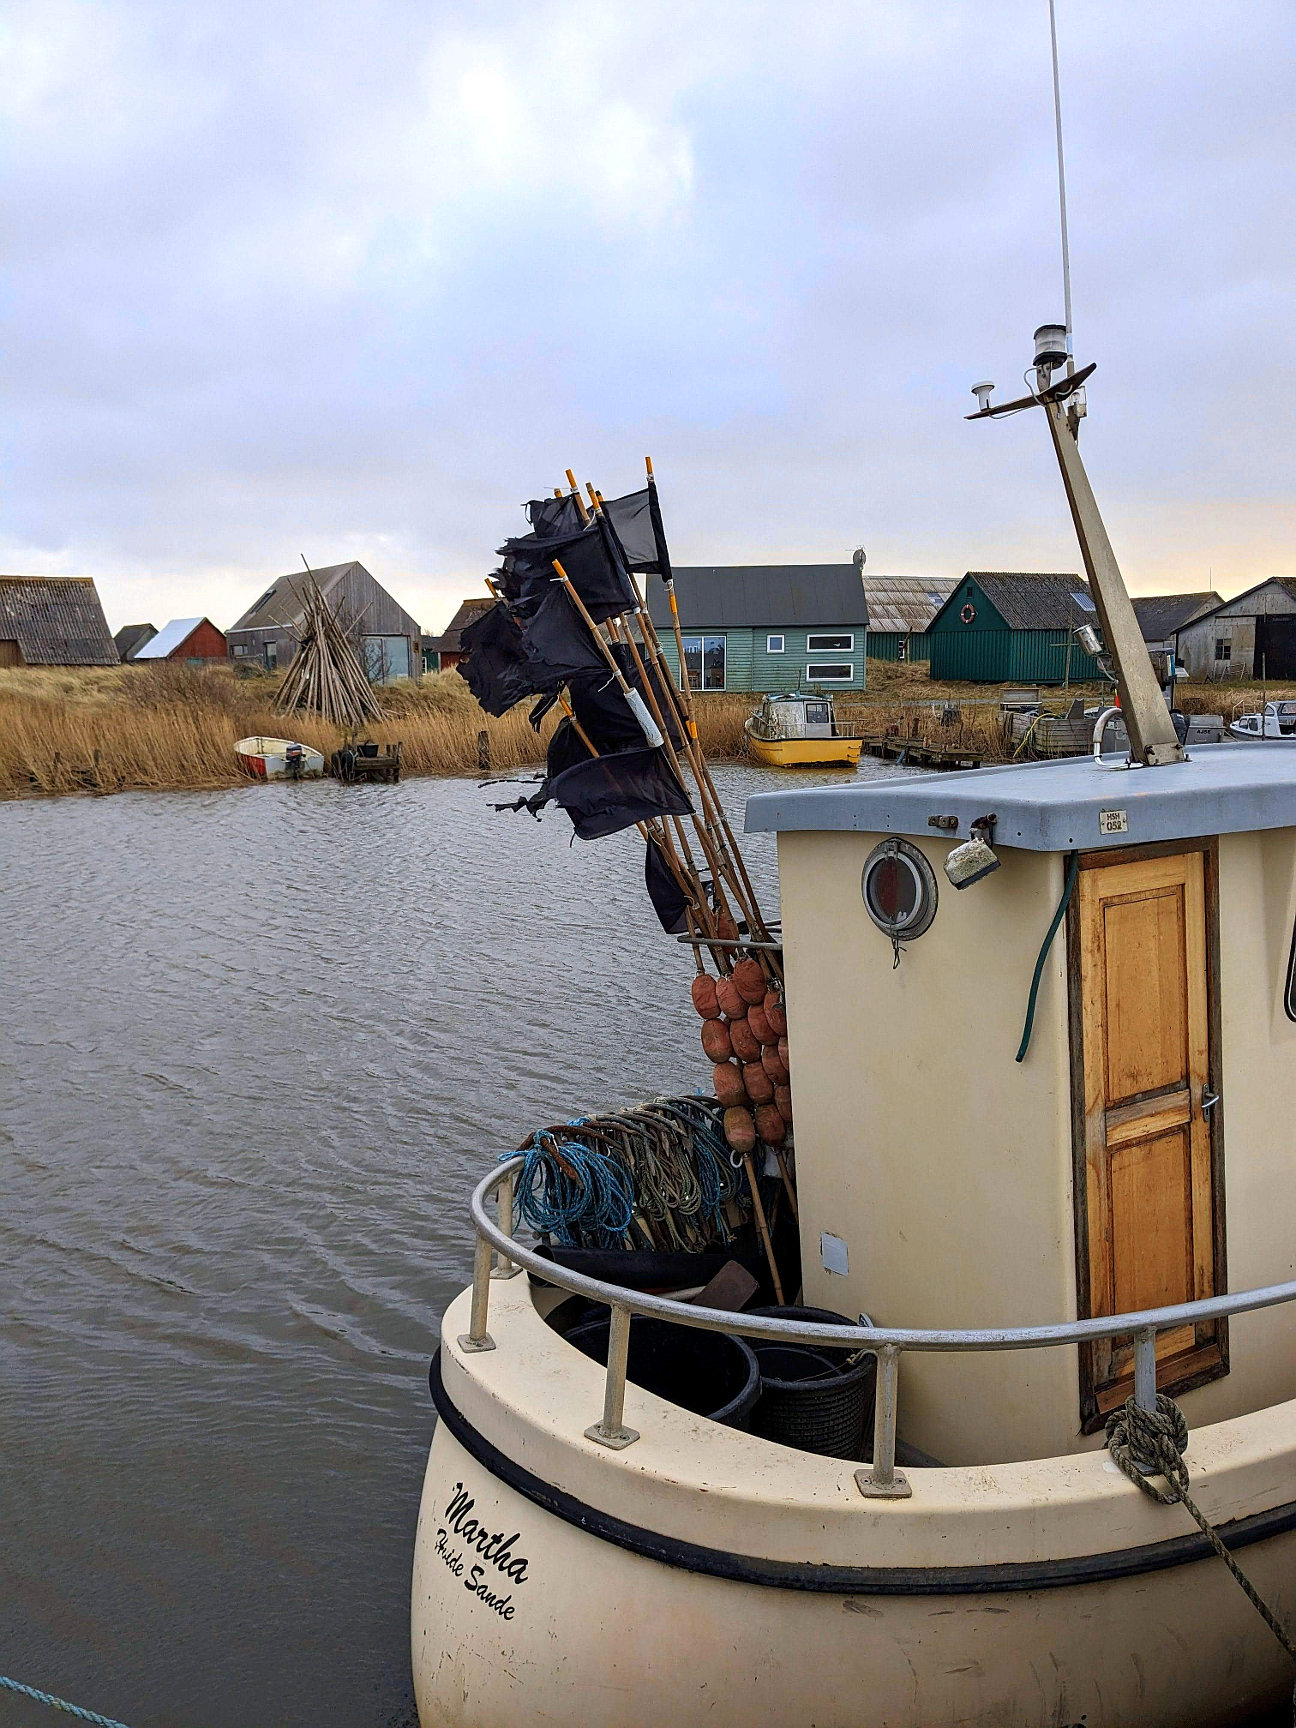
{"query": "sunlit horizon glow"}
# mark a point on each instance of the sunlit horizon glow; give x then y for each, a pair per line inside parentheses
(354, 281)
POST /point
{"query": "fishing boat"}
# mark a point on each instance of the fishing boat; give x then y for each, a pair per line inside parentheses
(799, 731)
(1042, 1026)
(1277, 720)
(278, 759)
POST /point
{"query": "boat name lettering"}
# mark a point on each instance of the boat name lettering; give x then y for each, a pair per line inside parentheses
(493, 1545)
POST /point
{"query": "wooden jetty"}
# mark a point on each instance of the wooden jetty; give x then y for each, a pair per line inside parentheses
(367, 761)
(914, 753)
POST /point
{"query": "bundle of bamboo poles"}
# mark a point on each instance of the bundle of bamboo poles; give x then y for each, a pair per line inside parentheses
(326, 676)
(744, 1023)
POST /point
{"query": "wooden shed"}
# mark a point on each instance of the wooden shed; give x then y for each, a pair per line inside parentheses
(900, 609)
(188, 640)
(53, 621)
(132, 637)
(1014, 627)
(387, 637)
(1250, 636)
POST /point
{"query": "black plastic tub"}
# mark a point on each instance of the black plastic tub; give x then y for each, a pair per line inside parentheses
(813, 1396)
(709, 1373)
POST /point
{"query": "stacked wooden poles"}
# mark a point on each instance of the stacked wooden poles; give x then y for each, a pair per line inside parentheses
(326, 676)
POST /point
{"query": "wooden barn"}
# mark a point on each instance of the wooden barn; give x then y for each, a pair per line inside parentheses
(387, 638)
(191, 641)
(53, 621)
(1250, 636)
(900, 608)
(442, 653)
(1013, 627)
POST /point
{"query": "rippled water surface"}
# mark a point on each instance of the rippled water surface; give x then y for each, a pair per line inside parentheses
(255, 1047)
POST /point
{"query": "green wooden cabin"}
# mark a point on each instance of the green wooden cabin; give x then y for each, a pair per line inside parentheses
(1013, 627)
(766, 628)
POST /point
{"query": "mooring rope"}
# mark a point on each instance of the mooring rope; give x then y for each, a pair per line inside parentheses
(1148, 1443)
(62, 1704)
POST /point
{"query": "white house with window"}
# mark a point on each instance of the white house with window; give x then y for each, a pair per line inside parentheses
(767, 627)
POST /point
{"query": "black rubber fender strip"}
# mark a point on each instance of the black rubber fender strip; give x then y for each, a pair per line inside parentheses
(848, 1580)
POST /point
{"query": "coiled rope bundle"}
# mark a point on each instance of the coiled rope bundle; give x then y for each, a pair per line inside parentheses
(658, 1176)
(1150, 1443)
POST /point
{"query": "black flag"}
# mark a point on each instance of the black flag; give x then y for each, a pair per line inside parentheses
(631, 519)
(557, 640)
(670, 902)
(590, 558)
(496, 669)
(608, 793)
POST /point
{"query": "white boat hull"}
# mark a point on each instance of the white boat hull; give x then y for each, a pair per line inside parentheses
(581, 1614)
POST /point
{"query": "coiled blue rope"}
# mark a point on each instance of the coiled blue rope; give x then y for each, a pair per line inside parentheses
(62, 1704)
(574, 1193)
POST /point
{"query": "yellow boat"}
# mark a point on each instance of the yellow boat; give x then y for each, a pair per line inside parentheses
(799, 732)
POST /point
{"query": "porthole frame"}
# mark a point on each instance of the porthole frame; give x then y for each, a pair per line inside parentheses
(920, 920)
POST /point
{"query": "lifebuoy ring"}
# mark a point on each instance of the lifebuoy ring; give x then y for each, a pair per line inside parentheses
(968, 613)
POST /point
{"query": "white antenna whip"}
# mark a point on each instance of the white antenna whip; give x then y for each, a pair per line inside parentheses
(1066, 247)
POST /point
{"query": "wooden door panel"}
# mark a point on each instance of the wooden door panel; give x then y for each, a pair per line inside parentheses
(1147, 1011)
(1144, 1056)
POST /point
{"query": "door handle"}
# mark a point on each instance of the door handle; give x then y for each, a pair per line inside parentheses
(1208, 1102)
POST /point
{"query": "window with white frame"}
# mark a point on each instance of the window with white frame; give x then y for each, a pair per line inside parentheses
(830, 642)
(829, 672)
(704, 659)
(774, 644)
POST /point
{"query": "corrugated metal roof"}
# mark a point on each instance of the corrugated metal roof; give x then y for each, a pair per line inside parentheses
(1035, 599)
(282, 601)
(1160, 615)
(56, 621)
(730, 596)
(168, 638)
(905, 603)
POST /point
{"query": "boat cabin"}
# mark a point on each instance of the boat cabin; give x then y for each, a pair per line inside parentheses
(792, 717)
(1277, 721)
(977, 1151)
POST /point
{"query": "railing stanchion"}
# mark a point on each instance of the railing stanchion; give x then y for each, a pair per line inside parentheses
(1145, 1378)
(477, 1337)
(611, 1431)
(504, 1267)
(883, 1481)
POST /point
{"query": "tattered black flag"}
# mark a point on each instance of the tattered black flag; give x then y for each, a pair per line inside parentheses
(631, 519)
(496, 668)
(590, 558)
(557, 641)
(670, 902)
(607, 793)
(550, 517)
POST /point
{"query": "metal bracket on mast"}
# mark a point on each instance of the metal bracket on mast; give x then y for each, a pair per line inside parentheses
(1153, 740)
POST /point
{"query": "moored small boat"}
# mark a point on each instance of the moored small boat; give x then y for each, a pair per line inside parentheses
(278, 759)
(1278, 721)
(799, 732)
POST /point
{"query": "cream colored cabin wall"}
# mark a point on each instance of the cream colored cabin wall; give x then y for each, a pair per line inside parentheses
(943, 1164)
(1258, 1071)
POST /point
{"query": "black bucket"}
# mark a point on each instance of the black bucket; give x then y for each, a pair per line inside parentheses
(813, 1396)
(709, 1373)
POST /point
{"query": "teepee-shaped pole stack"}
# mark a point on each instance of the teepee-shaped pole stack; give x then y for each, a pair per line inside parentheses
(326, 677)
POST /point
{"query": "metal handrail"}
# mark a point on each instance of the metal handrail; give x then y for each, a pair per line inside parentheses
(887, 1343)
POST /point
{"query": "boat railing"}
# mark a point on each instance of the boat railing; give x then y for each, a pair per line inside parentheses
(498, 1254)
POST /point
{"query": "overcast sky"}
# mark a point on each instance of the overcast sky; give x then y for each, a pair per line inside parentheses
(355, 279)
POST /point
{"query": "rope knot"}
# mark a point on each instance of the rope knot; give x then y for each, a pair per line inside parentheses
(1148, 1443)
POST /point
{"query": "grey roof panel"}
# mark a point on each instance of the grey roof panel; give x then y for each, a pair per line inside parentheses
(760, 596)
(282, 602)
(168, 638)
(132, 636)
(1229, 788)
(905, 603)
(56, 621)
(1160, 615)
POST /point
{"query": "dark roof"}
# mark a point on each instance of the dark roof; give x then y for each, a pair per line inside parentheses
(448, 642)
(905, 603)
(56, 621)
(727, 596)
(1033, 599)
(1160, 615)
(283, 602)
(131, 638)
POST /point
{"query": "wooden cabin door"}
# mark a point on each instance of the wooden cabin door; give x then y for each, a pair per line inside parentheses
(1149, 1208)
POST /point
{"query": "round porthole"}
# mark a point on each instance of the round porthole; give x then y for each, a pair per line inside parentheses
(899, 889)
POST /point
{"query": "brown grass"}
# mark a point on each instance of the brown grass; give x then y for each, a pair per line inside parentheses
(172, 727)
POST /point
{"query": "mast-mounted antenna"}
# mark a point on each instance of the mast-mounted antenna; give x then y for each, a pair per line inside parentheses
(1062, 209)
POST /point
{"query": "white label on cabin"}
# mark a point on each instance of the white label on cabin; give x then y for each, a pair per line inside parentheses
(834, 1254)
(1113, 822)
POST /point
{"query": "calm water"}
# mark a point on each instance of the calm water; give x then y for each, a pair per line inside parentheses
(255, 1048)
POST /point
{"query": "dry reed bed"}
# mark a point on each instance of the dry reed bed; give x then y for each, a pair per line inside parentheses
(173, 728)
